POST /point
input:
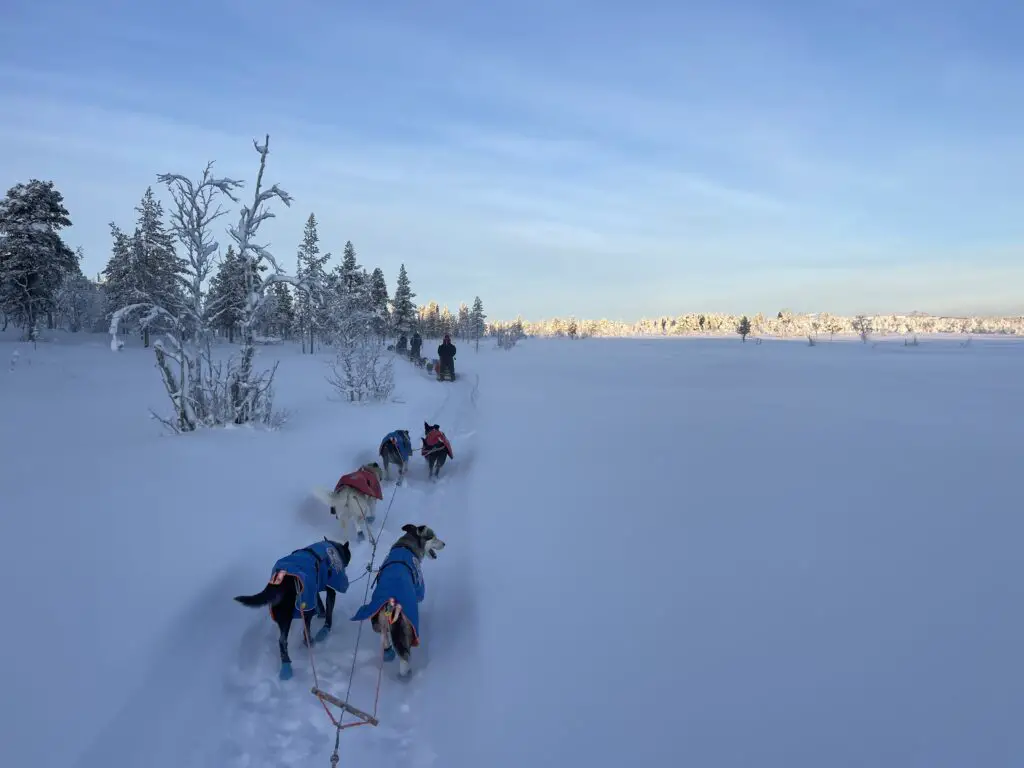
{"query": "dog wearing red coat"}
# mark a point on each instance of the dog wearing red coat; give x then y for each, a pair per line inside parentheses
(354, 500)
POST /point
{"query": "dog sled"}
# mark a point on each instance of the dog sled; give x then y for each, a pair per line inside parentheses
(444, 372)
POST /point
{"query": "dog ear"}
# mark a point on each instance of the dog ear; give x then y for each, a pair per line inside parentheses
(410, 528)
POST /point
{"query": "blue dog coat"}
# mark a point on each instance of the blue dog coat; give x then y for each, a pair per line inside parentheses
(314, 572)
(404, 445)
(399, 577)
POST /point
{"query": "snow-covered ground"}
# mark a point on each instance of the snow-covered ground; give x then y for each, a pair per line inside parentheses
(686, 550)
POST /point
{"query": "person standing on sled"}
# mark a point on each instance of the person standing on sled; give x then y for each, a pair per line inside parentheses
(446, 354)
(400, 348)
(415, 345)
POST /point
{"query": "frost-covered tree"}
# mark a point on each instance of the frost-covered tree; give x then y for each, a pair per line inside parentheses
(80, 302)
(403, 313)
(379, 302)
(202, 392)
(462, 322)
(743, 328)
(250, 393)
(430, 320)
(478, 321)
(350, 274)
(34, 259)
(360, 370)
(120, 275)
(193, 382)
(863, 327)
(310, 300)
(281, 318)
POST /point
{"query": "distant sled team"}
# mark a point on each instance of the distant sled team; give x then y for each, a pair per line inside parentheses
(297, 579)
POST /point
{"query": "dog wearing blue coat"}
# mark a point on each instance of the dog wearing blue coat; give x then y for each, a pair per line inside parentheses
(396, 448)
(398, 590)
(293, 592)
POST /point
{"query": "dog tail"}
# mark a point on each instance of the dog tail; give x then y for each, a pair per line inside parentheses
(271, 595)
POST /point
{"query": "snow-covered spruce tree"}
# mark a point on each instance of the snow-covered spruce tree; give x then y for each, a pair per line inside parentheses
(478, 322)
(349, 272)
(119, 276)
(281, 320)
(379, 303)
(158, 269)
(225, 300)
(403, 312)
(251, 394)
(33, 258)
(309, 301)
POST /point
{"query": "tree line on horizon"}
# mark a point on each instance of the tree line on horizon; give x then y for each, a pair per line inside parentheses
(785, 323)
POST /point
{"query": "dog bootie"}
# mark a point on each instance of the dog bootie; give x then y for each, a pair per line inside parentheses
(286, 671)
(389, 654)
(322, 634)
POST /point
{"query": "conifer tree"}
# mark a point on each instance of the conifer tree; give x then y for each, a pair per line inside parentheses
(404, 311)
(34, 259)
(478, 321)
(310, 272)
(743, 329)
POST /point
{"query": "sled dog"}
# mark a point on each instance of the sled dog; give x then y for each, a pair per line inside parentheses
(293, 592)
(397, 592)
(436, 448)
(396, 448)
(354, 500)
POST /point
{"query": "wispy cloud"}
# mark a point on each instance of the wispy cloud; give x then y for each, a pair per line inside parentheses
(514, 152)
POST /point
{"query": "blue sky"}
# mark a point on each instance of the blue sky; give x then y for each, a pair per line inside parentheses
(607, 159)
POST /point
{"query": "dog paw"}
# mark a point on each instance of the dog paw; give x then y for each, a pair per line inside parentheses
(322, 634)
(286, 671)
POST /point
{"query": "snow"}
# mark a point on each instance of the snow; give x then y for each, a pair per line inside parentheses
(716, 553)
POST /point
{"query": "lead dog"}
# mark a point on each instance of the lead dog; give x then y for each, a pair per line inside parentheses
(398, 590)
(354, 500)
(296, 581)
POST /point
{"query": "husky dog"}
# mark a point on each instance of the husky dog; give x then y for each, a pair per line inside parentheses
(436, 448)
(397, 592)
(293, 591)
(396, 448)
(354, 499)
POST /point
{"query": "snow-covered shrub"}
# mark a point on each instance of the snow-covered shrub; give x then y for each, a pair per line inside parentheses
(361, 371)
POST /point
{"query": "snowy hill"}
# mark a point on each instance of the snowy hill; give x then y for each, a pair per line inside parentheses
(734, 554)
